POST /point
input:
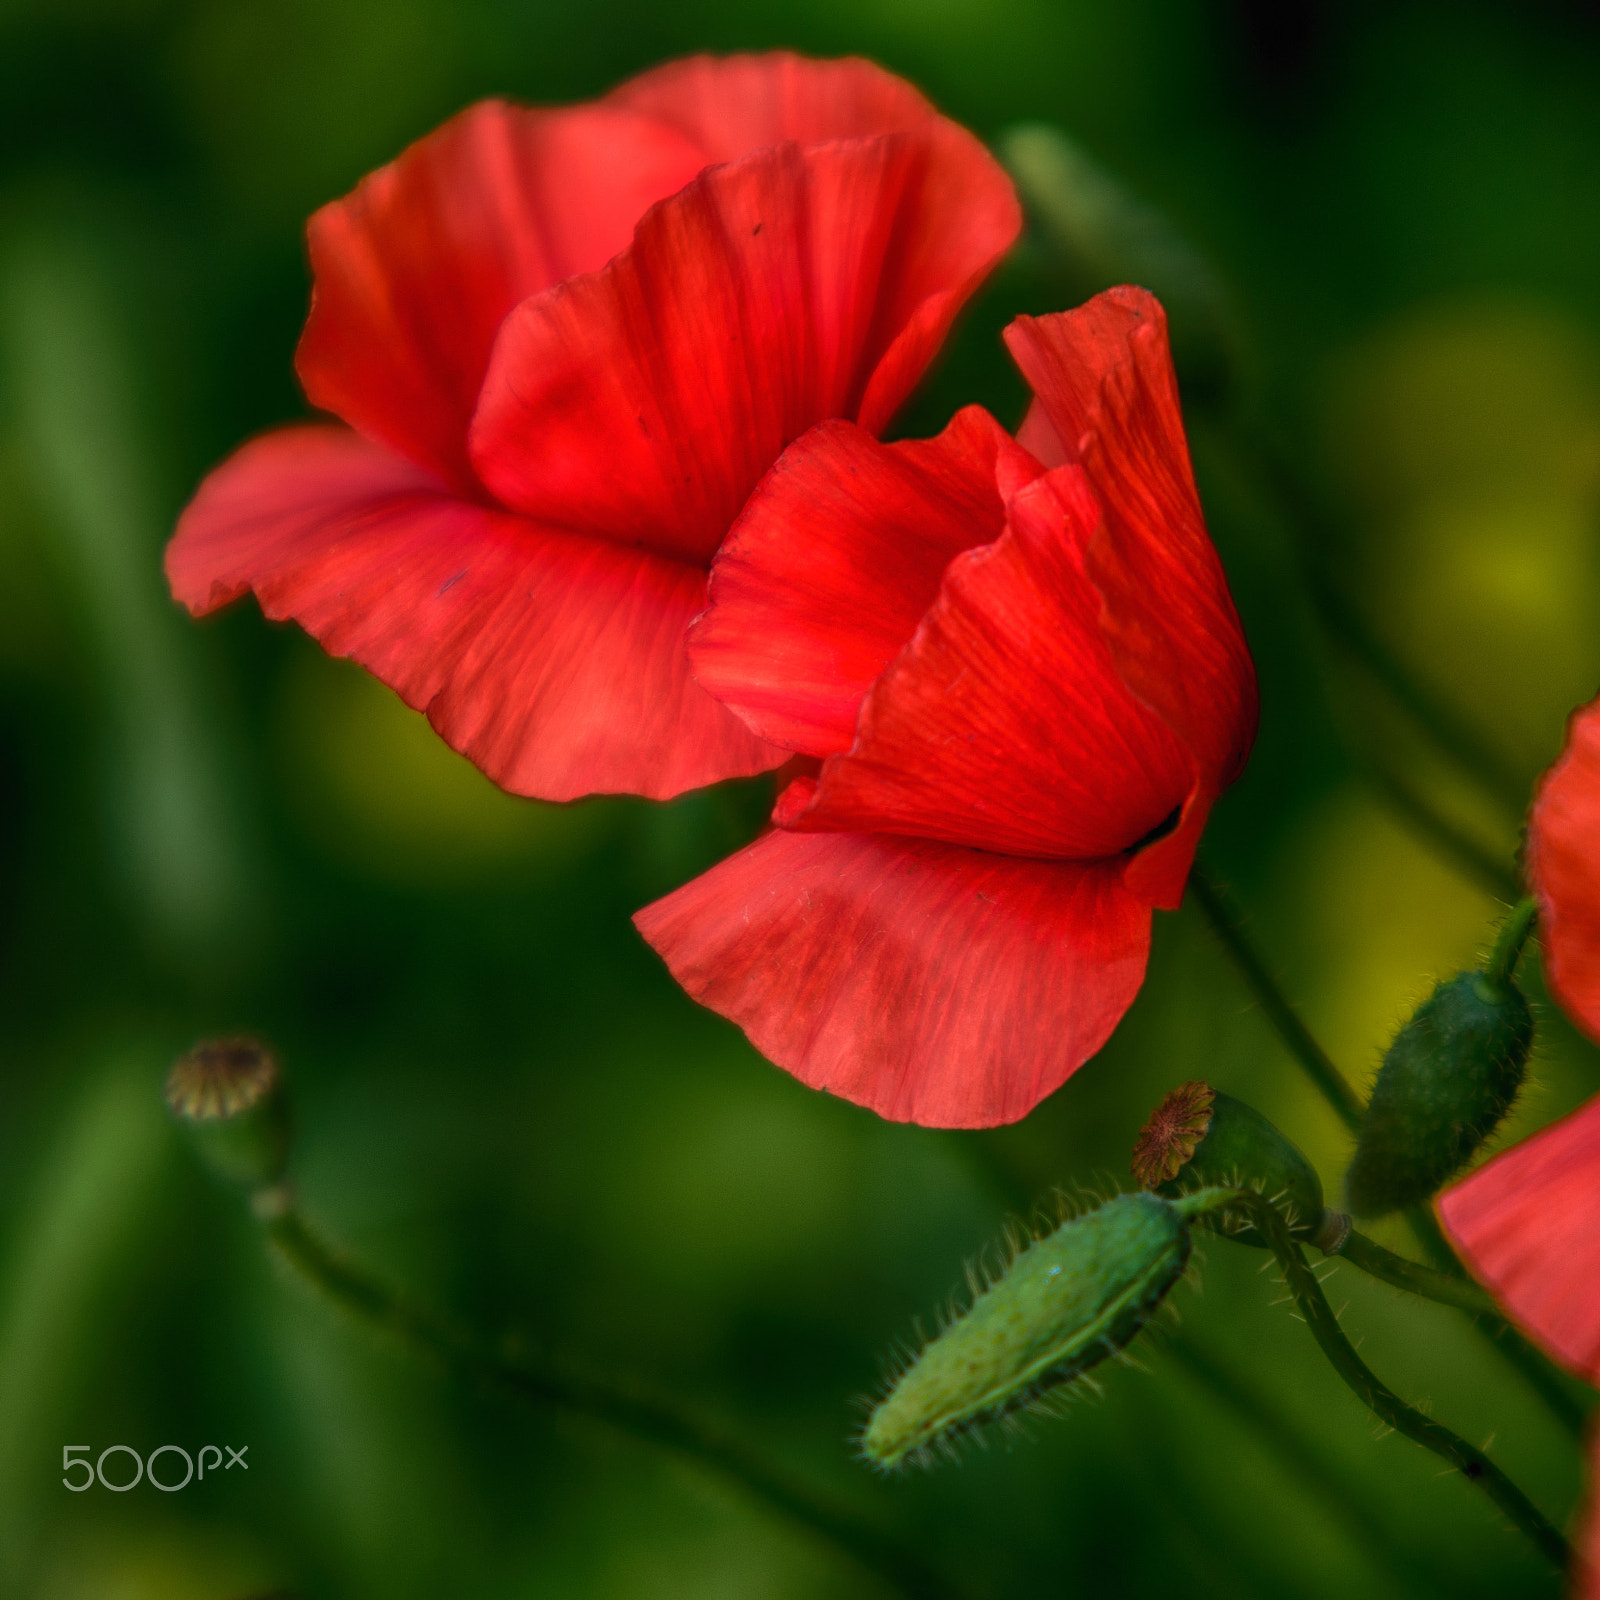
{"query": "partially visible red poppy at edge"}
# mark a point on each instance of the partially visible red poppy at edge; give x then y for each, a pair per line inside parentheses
(1021, 679)
(1527, 1223)
(565, 345)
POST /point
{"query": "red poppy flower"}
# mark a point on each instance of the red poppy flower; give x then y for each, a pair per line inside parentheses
(567, 344)
(1528, 1222)
(1025, 685)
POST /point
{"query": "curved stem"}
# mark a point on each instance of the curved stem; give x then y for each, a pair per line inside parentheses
(1413, 1277)
(1508, 944)
(1314, 1060)
(622, 1406)
(1382, 1401)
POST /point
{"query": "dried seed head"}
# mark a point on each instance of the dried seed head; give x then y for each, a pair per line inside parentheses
(221, 1078)
(1170, 1137)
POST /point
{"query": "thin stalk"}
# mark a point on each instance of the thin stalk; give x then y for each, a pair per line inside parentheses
(1317, 1064)
(1372, 1258)
(630, 1410)
(1509, 942)
(1382, 1401)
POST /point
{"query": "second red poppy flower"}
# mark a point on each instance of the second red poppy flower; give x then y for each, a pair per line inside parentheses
(1024, 681)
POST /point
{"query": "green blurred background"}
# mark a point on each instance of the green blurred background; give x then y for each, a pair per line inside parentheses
(503, 1102)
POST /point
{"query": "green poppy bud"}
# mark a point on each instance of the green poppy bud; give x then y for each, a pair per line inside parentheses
(1066, 1302)
(228, 1094)
(1451, 1074)
(1199, 1137)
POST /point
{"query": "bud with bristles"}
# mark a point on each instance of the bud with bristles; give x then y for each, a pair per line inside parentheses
(1199, 1137)
(1451, 1074)
(228, 1094)
(1065, 1303)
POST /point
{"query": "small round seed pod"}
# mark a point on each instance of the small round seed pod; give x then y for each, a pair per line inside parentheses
(1447, 1080)
(1065, 1303)
(1199, 1137)
(228, 1094)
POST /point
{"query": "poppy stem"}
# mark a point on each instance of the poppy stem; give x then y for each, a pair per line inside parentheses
(540, 1378)
(1412, 1276)
(1317, 1064)
(1509, 942)
(1382, 1401)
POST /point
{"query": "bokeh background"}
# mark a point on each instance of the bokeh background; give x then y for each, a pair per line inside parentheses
(502, 1101)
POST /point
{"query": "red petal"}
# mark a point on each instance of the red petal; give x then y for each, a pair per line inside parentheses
(1104, 377)
(934, 984)
(644, 402)
(731, 105)
(1528, 1225)
(1564, 869)
(1004, 725)
(556, 663)
(418, 266)
(830, 567)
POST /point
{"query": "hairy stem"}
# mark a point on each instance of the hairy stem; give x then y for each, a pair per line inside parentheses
(1414, 1278)
(622, 1406)
(1382, 1401)
(1336, 1089)
(1509, 943)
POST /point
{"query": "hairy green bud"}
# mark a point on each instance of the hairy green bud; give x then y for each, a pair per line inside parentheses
(228, 1094)
(1066, 1302)
(1446, 1082)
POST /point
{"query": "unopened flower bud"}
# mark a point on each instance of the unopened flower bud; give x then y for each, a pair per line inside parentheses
(1065, 1302)
(228, 1093)
(1451, 1074)
(1199, 1137)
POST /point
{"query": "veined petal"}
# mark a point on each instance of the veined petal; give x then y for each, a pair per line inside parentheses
(933, 984)
(1004, 723)
(644, 402)
(1528, 1225)
(731, 105)
(1564, 870)
(1103, 376)
(554, 662)
(416, 268)
(830, 567)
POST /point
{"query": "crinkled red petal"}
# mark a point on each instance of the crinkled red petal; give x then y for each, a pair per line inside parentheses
(1103, 375)
(1004, 724)
(933, 984)
(731, 105)
(1564, 870)
(555, 663)
(832, 564)
(416, 268)
(1528, 1225)
(644, 402)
